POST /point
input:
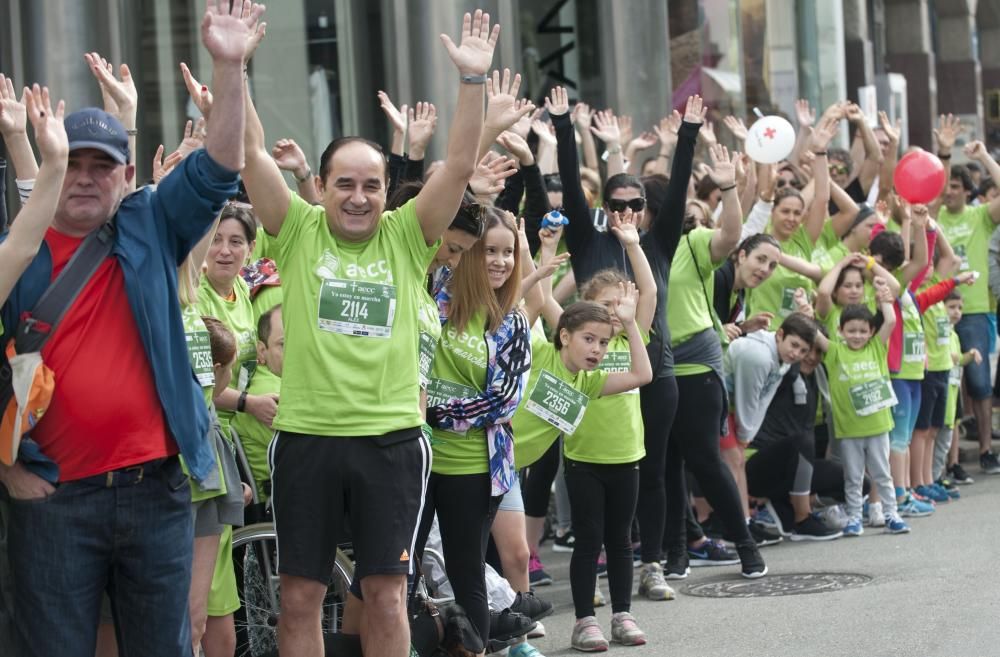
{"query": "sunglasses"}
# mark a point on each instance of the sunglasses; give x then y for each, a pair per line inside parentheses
(838, 168)
(635, 204)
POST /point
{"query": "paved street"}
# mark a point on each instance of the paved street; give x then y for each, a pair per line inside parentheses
(933, 592)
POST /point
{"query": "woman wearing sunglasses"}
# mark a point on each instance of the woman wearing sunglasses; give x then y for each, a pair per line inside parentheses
(660, 233)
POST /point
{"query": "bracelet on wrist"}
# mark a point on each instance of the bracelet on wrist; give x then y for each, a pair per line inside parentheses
(241, 404)
(944, 157)
(614, 150)
(131, 132)
(663, 155)
(474, 79)
(726, 189)
(819, 153)
(304, 178)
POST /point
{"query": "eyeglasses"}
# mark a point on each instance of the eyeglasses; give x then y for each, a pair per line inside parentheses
(619, 205)
(782, 182)
(838, 169)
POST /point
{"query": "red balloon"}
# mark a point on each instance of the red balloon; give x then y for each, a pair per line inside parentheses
(919, 177)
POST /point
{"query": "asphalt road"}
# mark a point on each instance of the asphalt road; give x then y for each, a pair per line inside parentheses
(933, 592)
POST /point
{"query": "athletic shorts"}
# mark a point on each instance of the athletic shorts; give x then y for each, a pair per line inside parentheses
(512, 500)
(933, 399)
(323, 484)
(904, 413)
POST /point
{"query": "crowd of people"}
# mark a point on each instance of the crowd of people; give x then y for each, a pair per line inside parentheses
(695, 354)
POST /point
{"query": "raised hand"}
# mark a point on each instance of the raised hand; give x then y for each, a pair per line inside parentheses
(804, 114)
(625, 227)
(231, 35)
(50, 133)
(490, 174)
(891, 130)
(707, 132)
(397, 117)
(13, 113)
(966, 278)
(947, 132)
(552, 265)
(423, 122)
(557, 102)
(199, 93)
(194, 137)
(802, 305)
(643, 141)
(976, 150)
(823, 134)
(882, 211)
(545, 131)
(737, 127)
(582, 115)
(695, 111)
(549, 237)
(162, 167)
(606, 128)
(882, 291)
(120, 95)
(502, 108)
(723, 169)
(667, 130)
(625, 127)
(919, 215)
(853, 113)
(626, 304)
(474, 53)
(289, 157)
(523, 126)
(516, 146)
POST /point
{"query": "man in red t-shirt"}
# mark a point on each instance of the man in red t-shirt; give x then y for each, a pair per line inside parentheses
(117, 517)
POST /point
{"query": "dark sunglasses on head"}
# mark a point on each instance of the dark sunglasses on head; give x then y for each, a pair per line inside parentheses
(838, 168)
(619, 205)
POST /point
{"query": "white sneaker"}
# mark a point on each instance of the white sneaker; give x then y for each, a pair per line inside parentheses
(876, 515)
(652, 583)
(538, 632)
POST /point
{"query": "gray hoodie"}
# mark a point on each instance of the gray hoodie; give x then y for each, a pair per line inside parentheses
(753, 372)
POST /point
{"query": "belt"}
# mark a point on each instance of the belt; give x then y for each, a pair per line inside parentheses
(129, 476)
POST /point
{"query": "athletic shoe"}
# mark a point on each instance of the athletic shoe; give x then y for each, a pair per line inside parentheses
(711, 553)
(814, 529)
(602, 565)
(911, 508)
(599, 600)
(959, 475)
(653, 585)
(752, 564)
(507, 625)
(875, 516)
(989, 464)
(933, 494)
(853, 528)
(625, 630)
(531, 606)
(833, 516)
(524, 650)
(762, 535)
(676, 567)
(920, 498)
(586, 637)
(564, 543)
(949, 487)
(636, 555)
(536, 573)
(538, 632)
(895, 525)
(766, 517)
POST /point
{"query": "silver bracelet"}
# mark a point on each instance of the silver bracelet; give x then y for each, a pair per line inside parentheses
(474, 79)
(304, 178)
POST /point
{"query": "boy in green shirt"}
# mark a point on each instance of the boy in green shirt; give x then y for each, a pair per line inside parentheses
(862, 397)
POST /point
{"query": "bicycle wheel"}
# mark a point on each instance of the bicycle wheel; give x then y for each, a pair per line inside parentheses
(256, 563)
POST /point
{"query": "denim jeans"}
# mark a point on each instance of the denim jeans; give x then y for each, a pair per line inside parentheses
(976, 331)
(133, 541)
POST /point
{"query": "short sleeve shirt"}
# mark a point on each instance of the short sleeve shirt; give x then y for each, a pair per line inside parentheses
(690, 286)
(776, 294)
(969, 233)
(860, 390)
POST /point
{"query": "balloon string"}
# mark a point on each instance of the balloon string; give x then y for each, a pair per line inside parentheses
(759, 114)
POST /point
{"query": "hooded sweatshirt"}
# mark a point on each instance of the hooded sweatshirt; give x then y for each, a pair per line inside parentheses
(753, 371)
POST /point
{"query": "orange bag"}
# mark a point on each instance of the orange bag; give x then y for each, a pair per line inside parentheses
(33, 383)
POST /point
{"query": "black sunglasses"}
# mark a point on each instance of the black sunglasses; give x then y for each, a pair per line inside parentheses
(618, 205)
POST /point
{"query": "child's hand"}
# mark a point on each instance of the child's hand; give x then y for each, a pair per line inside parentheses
(966, 278)
(977, 357)
(855, 260)
(882, 291)
(549, 238)
(802, 304)
(625, 226)
(551, 265)
(757, 322)
(732, 331)
(522, 236)
(919, 215)
(625, 307)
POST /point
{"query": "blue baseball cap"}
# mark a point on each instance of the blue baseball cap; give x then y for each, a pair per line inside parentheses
(95, 128)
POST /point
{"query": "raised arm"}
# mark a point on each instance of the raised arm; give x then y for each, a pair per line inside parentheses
(28, 230)
(582, 117)
(818, 143)
(440, 198)
(641, 372)
(669, 222)
(14, 129)
(886, 303)
(289, 157)
(580, 228)
(919, 258)
(666, 132)
(824, 291)
(975, 150)
(121, 99)
(626, 229)
(723, 174)
(869, 168)
(890, 157)
(503, 109)
(808, 269)
(397, 118)
(945, 135)
(606, 129)
(847, 209)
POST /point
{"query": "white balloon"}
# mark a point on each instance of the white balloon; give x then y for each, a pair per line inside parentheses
(770, 139)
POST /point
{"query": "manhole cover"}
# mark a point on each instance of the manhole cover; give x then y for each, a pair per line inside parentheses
(791, 584)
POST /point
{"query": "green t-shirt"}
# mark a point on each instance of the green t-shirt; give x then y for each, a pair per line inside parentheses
(618, 416)
(239, 318)
(954, 380)
(268, 297)
(969, 235)
(776, 295)
(459, 372)
(256, 437)
(351, 349)
(430, 332)
(829, 249)
(914, 341)
(937, 336)
(690, 311)
(860, 391)
(552, 397)
(265, 246)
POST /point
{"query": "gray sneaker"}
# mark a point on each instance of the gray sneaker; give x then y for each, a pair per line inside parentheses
(653, 585)
(587, 636)
(625, 630)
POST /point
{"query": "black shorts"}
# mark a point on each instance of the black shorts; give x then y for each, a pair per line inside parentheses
(933, 399)
(322, 484)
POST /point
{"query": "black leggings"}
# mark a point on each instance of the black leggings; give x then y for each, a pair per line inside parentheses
(602, 498)
(694, 442)
(465, 513)
(536, 486)
(659, 406)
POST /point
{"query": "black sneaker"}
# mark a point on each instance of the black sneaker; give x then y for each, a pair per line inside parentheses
(988, 463)
(958, 474)
(712, 527)
(564, 543)
(528, 604)
(813, 529)
(508, 625)
(762, 534)
(676, 567)
(711, 553)
(753, 565)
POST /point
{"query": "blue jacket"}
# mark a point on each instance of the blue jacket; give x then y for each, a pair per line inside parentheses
(156, 229)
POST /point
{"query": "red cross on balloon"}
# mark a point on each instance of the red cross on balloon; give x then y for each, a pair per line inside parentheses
(770, 132)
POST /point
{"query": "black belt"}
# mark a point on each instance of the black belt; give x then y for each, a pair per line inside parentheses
(129, 476)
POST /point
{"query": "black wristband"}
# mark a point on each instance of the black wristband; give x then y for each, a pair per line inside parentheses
(943, 157)
(241, 405)
(726, 189)
(819, 153)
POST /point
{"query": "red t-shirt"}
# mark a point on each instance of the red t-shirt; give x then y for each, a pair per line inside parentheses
(105, 413)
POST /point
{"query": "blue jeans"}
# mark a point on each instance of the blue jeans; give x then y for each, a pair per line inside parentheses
(133, 540)
(904, 414)
(977, 331)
